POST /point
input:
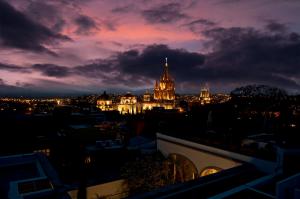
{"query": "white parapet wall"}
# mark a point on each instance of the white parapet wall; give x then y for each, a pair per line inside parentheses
(111, 190)
(206, 156)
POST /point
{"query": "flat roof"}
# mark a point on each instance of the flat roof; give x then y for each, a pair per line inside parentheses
(19, 172)
(25, 175)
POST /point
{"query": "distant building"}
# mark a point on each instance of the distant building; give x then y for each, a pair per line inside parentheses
(147, 103)
(147, 97)
(164, 90)
(104, 102)
(128, 104)
(204, 97)
(220, 98)
(163, 96)
(128, 99)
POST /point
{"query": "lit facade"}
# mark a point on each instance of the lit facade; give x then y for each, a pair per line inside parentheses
(105, 103)
(147, 104)
(204, 96)
(128, 99)
(128, 104)
(147, 97)
(164, 90)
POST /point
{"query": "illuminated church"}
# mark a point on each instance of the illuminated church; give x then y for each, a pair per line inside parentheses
(164, 90)
(205, 96)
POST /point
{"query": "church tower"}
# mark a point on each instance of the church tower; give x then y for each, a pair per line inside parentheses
(164, 90)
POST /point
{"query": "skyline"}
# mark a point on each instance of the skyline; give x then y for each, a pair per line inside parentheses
(77, 46)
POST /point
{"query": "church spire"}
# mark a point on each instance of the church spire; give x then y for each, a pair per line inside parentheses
(166, 71)
(165, 88)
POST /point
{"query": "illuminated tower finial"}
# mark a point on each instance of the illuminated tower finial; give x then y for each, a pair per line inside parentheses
(166, 61)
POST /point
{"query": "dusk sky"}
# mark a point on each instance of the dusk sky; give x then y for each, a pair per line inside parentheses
(87, 46)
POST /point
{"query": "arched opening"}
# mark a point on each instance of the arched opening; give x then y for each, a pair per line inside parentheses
(182, 168)
(209, 171)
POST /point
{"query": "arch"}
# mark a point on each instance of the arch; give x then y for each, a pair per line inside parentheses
(209, 170)
(183, 168)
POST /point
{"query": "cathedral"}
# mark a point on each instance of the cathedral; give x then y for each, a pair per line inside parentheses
(164, 90)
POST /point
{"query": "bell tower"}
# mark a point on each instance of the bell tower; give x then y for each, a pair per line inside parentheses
(164, 90)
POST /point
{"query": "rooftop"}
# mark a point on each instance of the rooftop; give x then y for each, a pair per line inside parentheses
(28, 176)
(206, 186)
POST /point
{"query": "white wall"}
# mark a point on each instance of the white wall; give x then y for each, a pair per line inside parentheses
(205, 156)
(201, 159)
(113, 190)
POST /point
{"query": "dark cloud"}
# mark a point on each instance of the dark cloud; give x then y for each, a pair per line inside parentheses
(117, 43)
(197, 26)
(13, 68)
(47, 14)
(24, 84)
(166, 13)
(59, 25)
(150, 61)
(228, 1)
(52, 70)
(246, 55)
(53, 85)
(110, 25)
(102, 69)
(14, 90)
(97, 69)
(133, 68)
(85, 25)
(239, 56)
(264, 2)
(110, 74)
(37, 89)
(204, 22)
(123, 9)
(276, 27)
(8, 90)
(18, 31)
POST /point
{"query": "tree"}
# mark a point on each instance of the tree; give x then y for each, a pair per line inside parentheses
(259, 91)
(147, 173)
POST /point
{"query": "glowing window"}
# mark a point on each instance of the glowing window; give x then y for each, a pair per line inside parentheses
(210, 170)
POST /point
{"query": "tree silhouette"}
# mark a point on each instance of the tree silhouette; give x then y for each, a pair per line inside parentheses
(147, 173)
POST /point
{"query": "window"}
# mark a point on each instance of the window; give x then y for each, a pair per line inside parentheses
(210, 170)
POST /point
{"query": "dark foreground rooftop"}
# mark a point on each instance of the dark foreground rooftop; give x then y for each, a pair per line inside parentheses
(206, 186)
(29, 176)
